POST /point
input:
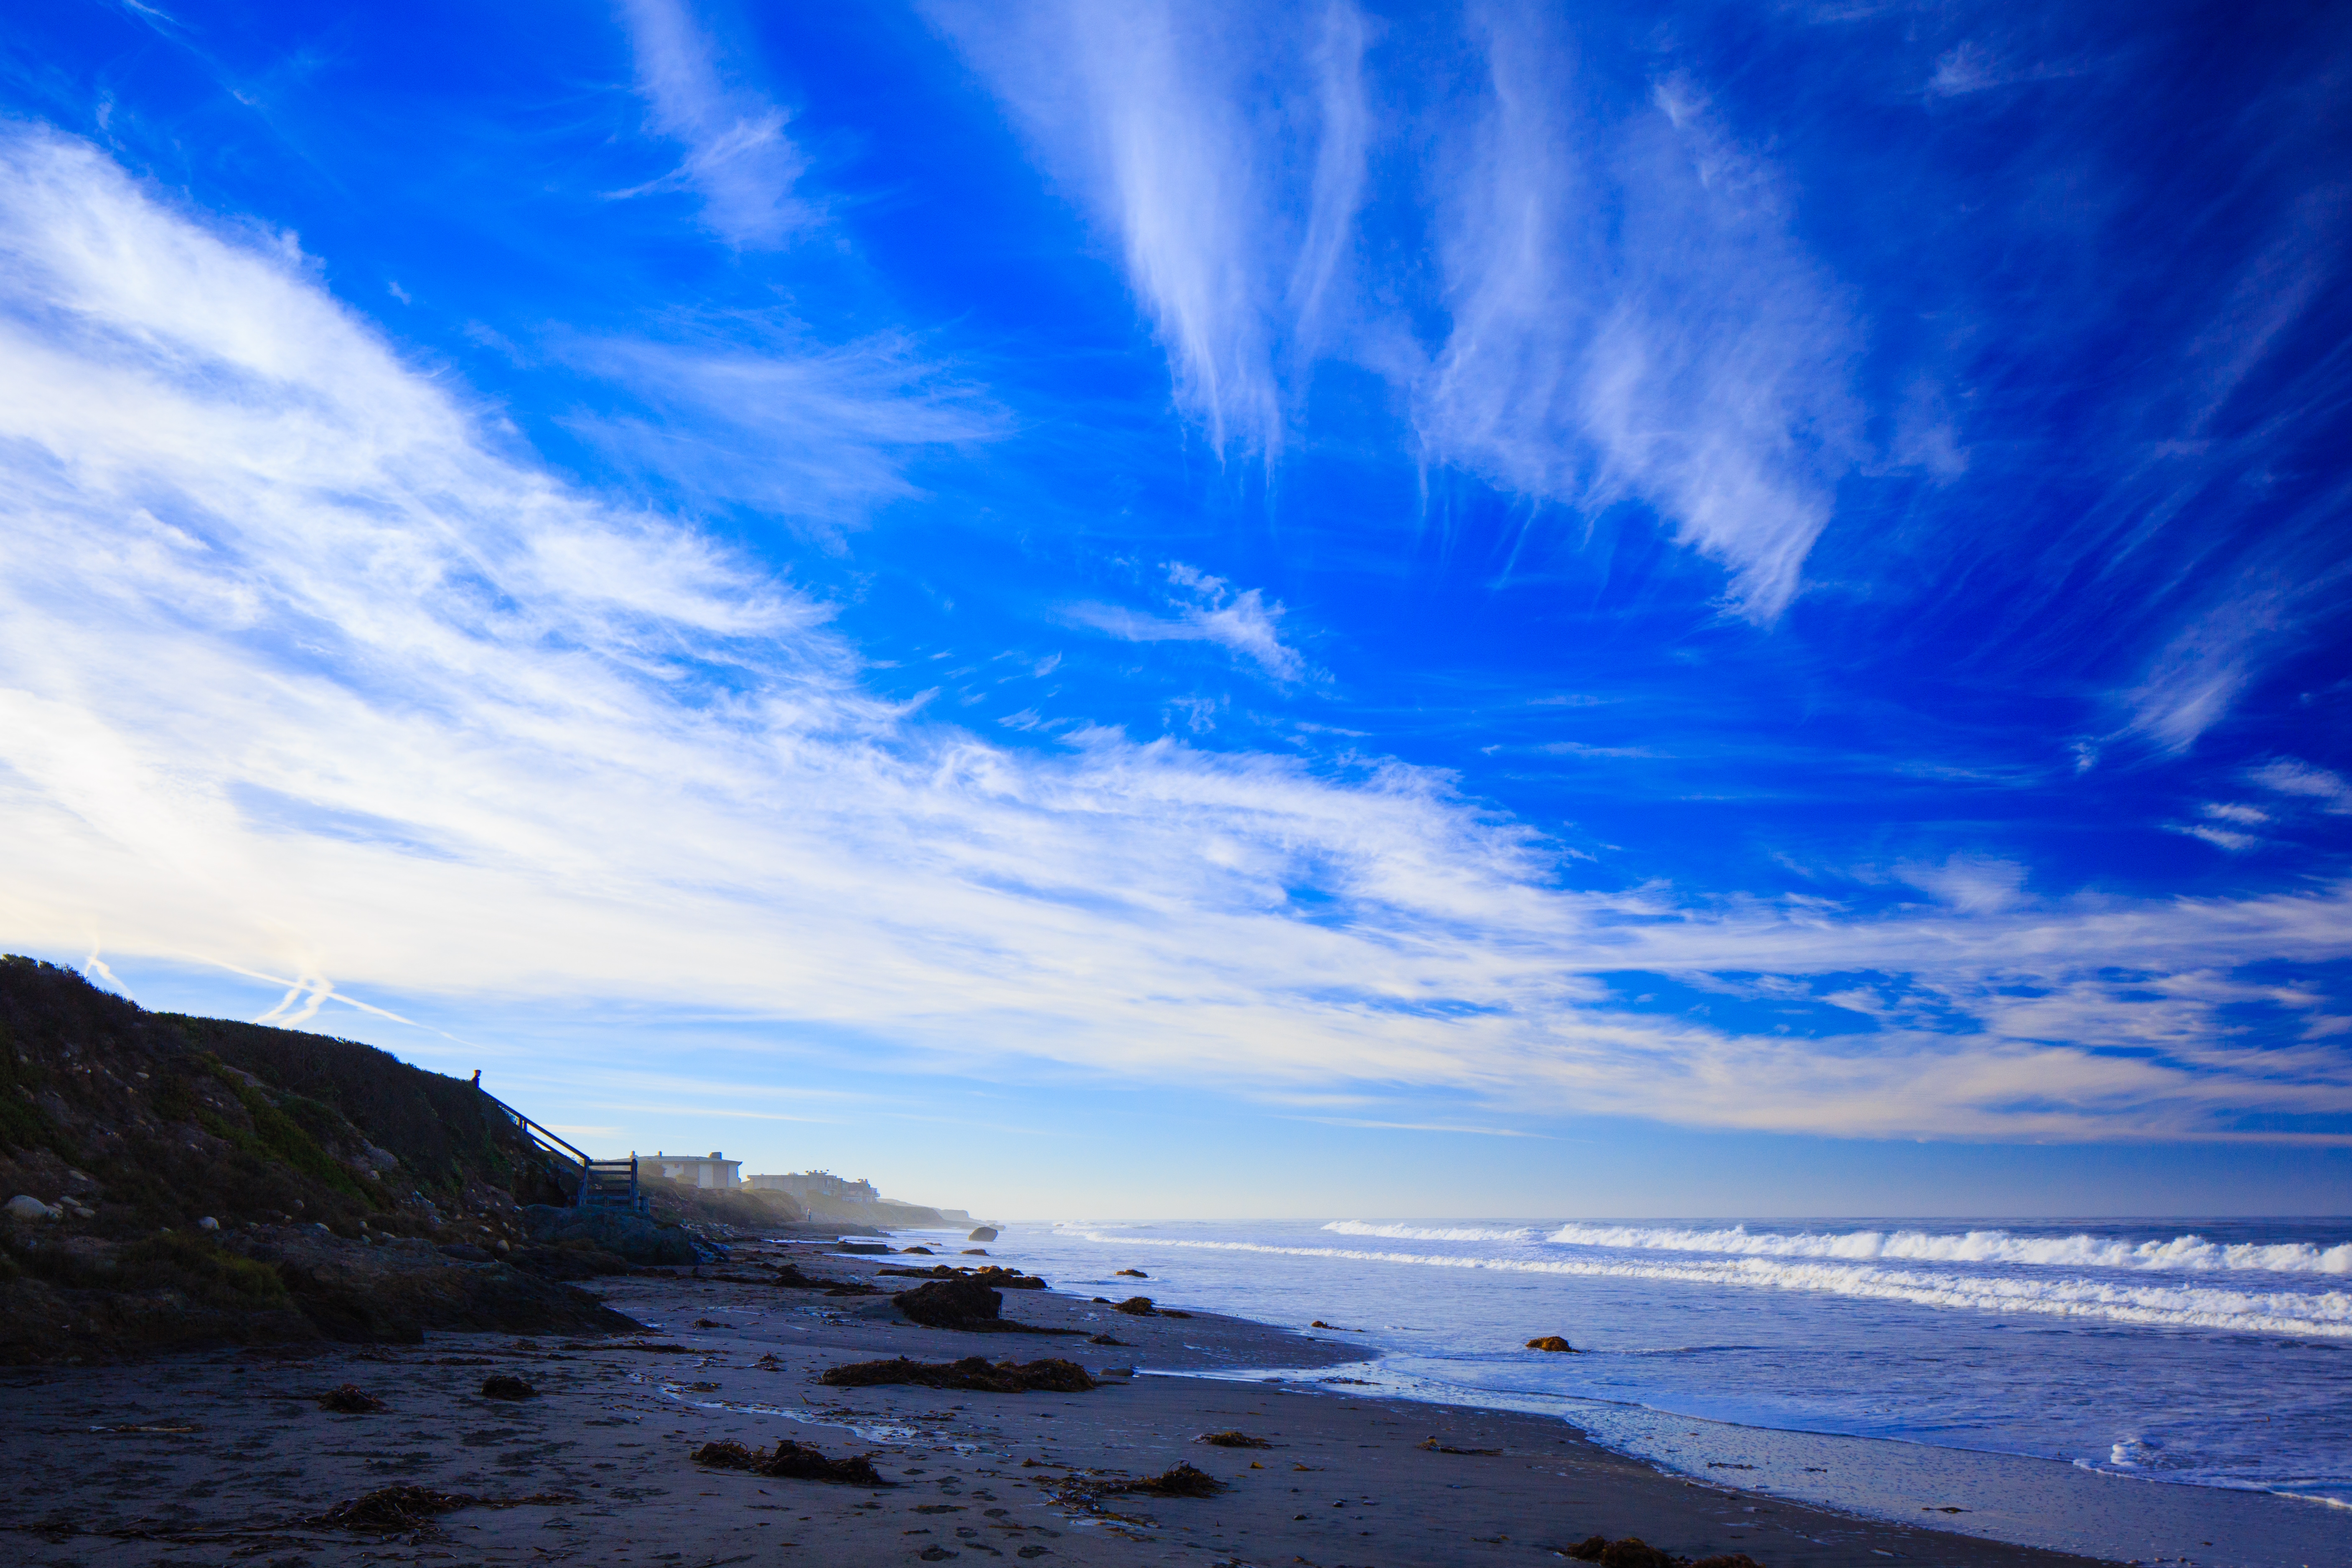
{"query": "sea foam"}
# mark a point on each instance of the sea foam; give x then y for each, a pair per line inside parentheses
(1429, 1233)
(2321, 1315)
(2180, 1253)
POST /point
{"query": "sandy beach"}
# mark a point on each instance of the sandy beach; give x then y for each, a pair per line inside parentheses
(226, 1455)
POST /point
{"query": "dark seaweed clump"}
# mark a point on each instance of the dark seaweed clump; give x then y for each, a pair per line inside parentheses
(1235, 1440)
(1051, 1375)
(790, 1462)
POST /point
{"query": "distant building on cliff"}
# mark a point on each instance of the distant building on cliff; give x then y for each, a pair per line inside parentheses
(821, 1186)
(711, 1170)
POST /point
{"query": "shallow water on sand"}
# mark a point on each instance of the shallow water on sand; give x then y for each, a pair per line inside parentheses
(2214, 1354)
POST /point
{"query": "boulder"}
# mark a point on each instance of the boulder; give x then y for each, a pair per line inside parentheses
(1555, 1344)
(1136, 1307)
(623, 1235)
(566, 1262)
(982, 1233)
(350, 1399)
(394, 1291)
(29, 1209)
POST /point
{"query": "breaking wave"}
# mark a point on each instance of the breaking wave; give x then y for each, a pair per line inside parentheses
(2181, 1254)
(2322, 1315)
(1426, 1233)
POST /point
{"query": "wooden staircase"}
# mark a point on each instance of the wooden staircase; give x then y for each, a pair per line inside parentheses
(612, 1184)
(596, 1184)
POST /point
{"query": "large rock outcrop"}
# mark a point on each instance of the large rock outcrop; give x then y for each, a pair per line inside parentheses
(627, 1236)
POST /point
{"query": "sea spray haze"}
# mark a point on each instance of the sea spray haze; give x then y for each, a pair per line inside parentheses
(2216, 1353)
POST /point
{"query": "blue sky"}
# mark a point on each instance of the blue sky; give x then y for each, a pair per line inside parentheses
(1216, 609)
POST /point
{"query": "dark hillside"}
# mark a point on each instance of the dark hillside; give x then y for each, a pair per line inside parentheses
(444, 1131)
(194, 1179)
(177, 1118)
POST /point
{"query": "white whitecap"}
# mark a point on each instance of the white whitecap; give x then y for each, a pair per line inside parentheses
(1429, 1233)
(2324, 1315)
(2181, 1254)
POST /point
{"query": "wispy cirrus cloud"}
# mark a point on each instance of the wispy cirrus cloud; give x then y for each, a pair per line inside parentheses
(302, 673)
(737, 153)
(1205, 609)
(1632, 317)
(2301, 780)
(1626, 311)
(1231, 187)
(760, 416)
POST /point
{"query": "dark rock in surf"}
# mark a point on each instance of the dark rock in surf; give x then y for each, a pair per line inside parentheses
(350, 1399)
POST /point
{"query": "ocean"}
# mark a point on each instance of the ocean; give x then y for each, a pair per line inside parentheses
(2211, 1355)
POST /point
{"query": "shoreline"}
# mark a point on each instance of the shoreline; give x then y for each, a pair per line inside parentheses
(217, 1456)
(2023, 1499)
(2043, 1499)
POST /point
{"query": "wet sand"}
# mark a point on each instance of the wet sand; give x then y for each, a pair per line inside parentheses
(221, 1457)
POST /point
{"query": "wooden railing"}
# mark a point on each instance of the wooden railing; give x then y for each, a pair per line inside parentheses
(603, 1183)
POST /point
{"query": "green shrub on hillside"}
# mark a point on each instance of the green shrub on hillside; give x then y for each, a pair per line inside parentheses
(281, 1137)
(22, 1125)
(199, 1271)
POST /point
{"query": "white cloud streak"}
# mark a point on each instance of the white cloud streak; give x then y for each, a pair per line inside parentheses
(2301, 780)
(301, 674)
(1632, 318)
(737, 154)
(1209, 611)
(1147, 110)
(1629, 316)
(823, 435)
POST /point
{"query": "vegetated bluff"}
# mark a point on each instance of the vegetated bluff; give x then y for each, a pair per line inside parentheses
(350, 1194)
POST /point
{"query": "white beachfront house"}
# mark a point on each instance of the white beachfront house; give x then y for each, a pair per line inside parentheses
(711, 1170)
